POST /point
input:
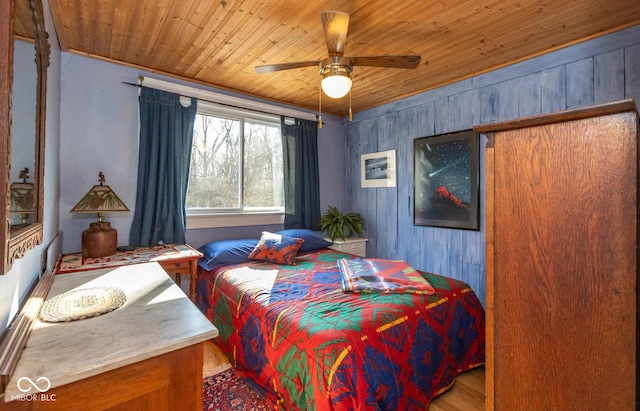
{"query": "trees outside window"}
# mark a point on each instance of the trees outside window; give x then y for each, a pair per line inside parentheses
(236, 165)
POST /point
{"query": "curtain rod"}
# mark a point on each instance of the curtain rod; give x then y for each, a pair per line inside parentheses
(217, 102)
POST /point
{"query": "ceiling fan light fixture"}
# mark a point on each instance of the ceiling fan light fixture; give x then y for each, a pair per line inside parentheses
(336, 80)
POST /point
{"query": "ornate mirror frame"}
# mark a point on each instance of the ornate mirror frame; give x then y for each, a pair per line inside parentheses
(15, 245)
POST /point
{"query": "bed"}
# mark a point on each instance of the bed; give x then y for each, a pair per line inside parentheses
(311, 346)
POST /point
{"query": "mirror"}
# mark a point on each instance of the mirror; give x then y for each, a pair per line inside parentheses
(23, 131)
(24, 58)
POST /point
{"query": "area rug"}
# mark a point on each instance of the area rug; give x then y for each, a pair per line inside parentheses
(228, 391)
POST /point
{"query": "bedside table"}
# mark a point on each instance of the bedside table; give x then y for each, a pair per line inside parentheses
(175, 259)
(352, 245)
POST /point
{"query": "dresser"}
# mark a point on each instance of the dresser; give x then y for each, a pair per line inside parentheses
(562, 260)
(145, 355)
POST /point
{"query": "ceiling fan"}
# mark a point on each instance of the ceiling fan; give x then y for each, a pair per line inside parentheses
(336, 69)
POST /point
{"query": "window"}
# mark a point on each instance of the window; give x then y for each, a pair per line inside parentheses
(236, 163)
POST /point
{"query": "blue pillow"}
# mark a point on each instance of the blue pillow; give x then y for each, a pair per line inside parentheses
(312, 240)
(225, 252)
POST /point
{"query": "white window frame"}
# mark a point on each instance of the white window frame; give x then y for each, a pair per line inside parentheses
(210, 218)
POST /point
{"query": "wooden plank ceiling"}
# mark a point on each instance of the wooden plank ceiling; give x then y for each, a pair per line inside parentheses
(23, 24)
(219, 42)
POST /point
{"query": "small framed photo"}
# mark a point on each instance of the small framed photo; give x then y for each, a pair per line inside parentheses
(378, 169)
(446, 180)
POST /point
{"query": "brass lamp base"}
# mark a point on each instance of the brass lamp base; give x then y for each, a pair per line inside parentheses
(100, 240)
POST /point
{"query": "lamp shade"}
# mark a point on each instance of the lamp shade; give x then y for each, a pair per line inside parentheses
(22, 200)
(336, 85)
(100, 199)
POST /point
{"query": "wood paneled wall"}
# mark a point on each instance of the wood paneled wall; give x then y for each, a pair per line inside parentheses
(602, 70)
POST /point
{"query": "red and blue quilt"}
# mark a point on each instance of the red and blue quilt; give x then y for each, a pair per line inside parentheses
(311, 346)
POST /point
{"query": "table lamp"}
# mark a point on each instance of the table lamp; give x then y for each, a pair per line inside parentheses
(100, 240)
(22, 200)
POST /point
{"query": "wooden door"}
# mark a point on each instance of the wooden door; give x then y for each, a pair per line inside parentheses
(562, 262)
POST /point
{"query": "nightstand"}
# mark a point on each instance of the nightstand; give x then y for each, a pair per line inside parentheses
(176, 259)
(352, 245)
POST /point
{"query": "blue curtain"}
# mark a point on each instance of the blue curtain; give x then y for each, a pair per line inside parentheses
(301, 181)
(166, 137)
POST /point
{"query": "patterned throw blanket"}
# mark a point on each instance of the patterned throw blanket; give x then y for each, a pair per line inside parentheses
(374, 275)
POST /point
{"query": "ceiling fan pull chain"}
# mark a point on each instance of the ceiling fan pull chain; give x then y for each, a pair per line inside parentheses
(350, 113)
(319, 106)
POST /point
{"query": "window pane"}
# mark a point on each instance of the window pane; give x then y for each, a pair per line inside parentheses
(213, 178)
(263, 173)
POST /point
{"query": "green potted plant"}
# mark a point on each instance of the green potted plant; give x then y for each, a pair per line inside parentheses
(339, 225)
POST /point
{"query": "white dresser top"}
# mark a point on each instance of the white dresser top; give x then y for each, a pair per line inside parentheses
(157, 318)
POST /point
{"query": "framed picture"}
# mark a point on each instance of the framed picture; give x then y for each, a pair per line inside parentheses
(378, 169)
(446, 181)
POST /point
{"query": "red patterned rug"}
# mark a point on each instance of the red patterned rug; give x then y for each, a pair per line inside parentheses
(228, 391)
(70, 263)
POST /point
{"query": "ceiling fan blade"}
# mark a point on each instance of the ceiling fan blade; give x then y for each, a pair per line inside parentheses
(336, 26)
(407, 62)
(270, 68)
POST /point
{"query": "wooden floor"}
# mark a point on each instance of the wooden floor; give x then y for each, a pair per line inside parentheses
(214, 360)
(466, 395)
